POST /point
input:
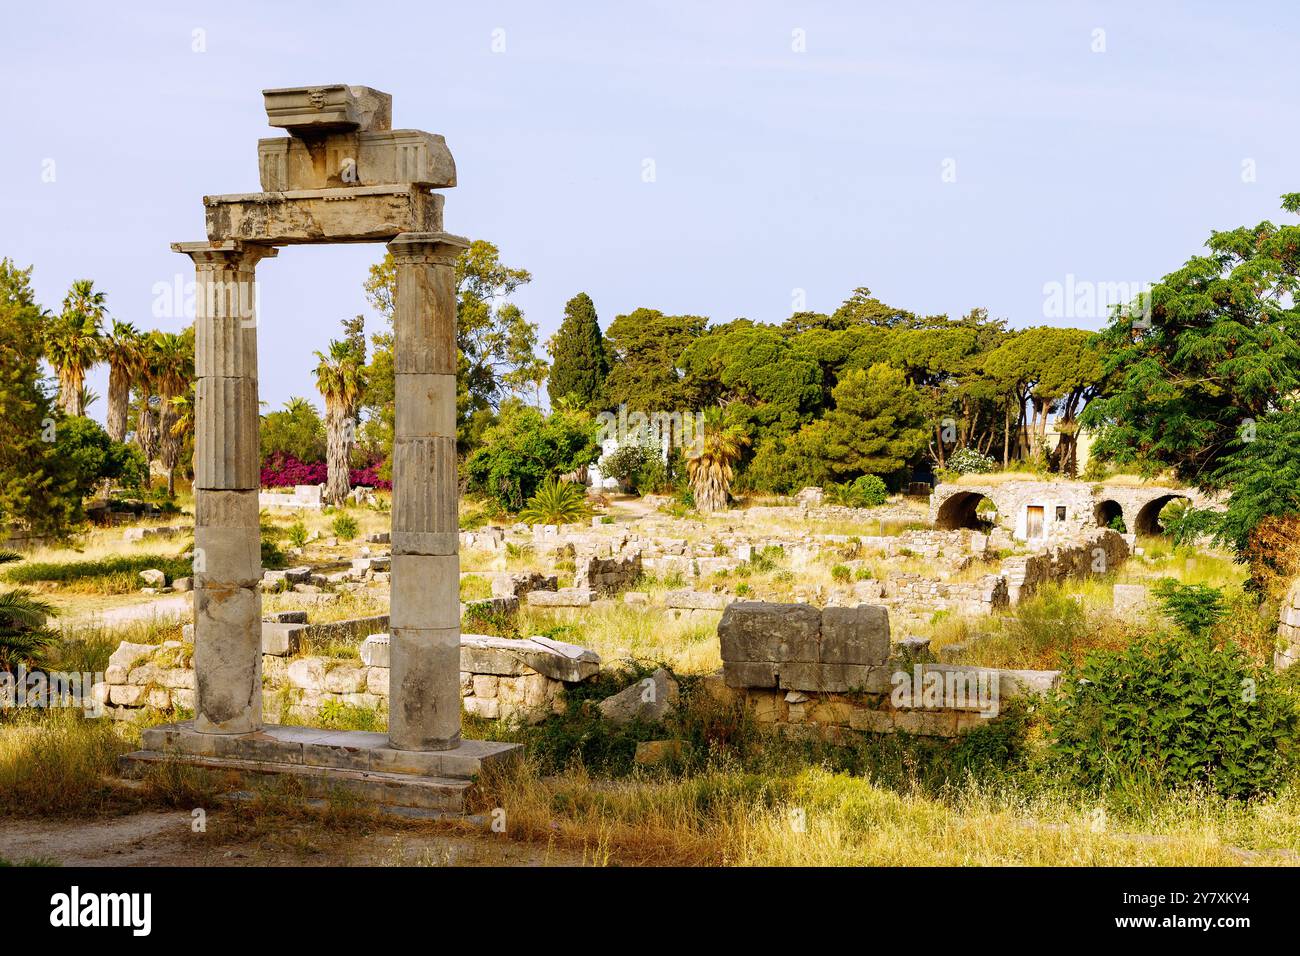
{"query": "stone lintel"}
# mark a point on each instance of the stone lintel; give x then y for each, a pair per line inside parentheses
(356, 214)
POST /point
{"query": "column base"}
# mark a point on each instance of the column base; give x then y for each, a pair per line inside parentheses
(359, 762)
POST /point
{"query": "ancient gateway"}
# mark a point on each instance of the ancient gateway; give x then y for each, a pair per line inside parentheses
(341, 175)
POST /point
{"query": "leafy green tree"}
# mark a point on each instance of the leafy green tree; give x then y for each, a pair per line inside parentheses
(87, 456)
(1212, 348)
(296, 429)
(496, 343)
(645, 347)
(578, 361)
(525, 447)
(1263, 472)
(757, 367)
(36, 494)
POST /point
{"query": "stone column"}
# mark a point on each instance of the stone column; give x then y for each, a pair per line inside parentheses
(227, 546)
(424, 625)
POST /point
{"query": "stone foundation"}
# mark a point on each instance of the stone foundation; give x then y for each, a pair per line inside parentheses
(522, 680)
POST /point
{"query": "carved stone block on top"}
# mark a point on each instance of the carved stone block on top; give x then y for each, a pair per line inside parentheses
(340, 160)
(311, 110)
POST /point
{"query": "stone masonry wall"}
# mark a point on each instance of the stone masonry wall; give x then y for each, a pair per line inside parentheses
(832, 672)
(500, 678)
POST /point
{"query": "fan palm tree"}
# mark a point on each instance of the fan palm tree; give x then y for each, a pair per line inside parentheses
(341, 378)
(710, 472)
(183, 419)
(73, 341)
(123, 350)
(172, 364)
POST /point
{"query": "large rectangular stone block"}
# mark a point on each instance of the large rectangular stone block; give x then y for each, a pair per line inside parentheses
(425, 405)
(855, 635)
(833, 678)
(359, 214)
(424, 688)
(226, 452)
(425, 591)
(763, 631)
(228, 660)
(344, 160)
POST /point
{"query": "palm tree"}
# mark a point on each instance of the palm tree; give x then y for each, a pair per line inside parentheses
(341, 378)
(24, 638)
(710, 472)
(73, 341)
(172, 365)
(123, 350)
(183, 418)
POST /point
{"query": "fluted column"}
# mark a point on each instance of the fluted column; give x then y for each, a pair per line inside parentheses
(227, 545)
(424, 642)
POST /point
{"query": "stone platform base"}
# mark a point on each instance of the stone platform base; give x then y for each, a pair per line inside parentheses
(355, 762)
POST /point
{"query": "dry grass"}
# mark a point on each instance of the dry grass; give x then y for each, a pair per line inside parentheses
(819, 818)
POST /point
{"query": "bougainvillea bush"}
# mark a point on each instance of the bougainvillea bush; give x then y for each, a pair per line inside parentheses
(285, 471)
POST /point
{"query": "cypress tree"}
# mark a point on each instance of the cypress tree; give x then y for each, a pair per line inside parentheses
(579, 365)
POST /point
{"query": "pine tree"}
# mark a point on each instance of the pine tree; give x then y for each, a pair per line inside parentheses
(578, 355)
(35, 493)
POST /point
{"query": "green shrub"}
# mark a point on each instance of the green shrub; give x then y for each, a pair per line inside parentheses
(865, 491)
(1175, 711)
(344, 527)
(1196, 608)
(297, 534)
(841, 573)
(556, 502)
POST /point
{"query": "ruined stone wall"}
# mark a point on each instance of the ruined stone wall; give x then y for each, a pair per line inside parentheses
(500, 678)
(606, 576)
(833, 672)
(1288, 629)
(1093, 552)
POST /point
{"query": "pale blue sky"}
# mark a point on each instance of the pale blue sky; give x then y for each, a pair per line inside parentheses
(776, 170)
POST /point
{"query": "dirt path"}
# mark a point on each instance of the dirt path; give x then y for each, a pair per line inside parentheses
(166, 838)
